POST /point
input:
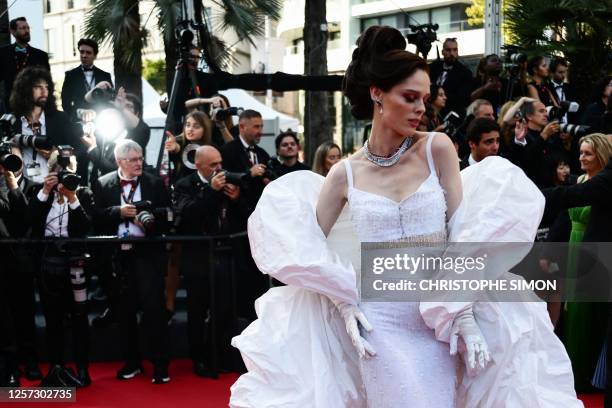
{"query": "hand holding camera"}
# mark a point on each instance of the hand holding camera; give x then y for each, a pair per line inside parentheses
(51, 180)
(258, 170)
(549, 130)
(11, 180)
(218, 181)
(128, 211)
(231, 191)
(69, 194)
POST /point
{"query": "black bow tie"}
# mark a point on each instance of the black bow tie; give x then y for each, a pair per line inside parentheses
(251, 149)
(558, 86)
(87, 68)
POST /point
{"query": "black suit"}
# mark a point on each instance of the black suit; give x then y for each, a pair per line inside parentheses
(251, 283)
(140, 270)
(11, 61)
(75, 87)
(457, 85)
(201, 210)
(55, 278)
(19, 273)
(596, 192)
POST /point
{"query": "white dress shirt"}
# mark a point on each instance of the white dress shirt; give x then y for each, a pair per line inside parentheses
(29, 158)
(131, 230)
(57, 219)
(252, 154)
(90, 81)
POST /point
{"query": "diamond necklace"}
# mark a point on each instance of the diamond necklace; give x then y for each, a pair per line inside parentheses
(387, 161)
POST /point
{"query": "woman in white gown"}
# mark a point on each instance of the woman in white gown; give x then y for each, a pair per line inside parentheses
(402, 186)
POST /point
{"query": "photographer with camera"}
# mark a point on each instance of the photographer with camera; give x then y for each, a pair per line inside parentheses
(63, 209)
(117, 115)
(453, 76)
(38, 125)
(244, 156)
(132, 203)
(17, 191)
(287, 150)
(206, 199)
(490, 85)
(534, 135)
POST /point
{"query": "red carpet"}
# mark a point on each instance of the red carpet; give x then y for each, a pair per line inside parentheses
(184, 391)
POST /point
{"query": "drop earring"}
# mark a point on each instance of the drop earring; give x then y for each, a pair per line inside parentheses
(379, 103)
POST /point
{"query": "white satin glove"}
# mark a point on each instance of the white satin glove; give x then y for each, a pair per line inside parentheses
(476, 353)
(352, 315)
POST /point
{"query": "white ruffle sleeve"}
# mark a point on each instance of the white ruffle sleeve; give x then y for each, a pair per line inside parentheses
(530, 367)
(297, 352)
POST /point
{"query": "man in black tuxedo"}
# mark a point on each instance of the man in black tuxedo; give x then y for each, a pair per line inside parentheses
(596, 192)
(17, 56)
(139, 267)
(483, 139)
(39, 122)
(203, 199)
(61, 208)
(82, 79)
(564, 91)
(244, 156)
(453, 76)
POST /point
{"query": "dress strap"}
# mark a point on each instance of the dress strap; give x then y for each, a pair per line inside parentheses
(349, 173)
(430, 161)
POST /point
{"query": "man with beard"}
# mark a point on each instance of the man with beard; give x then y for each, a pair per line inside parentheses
(15, 57)
(38, 121)
(287, 149)
(483, 139)
(453, 76)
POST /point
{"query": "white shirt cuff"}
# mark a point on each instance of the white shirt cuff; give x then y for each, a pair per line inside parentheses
(91, 148)
(75, 205)
(520, 142)
(42, 197)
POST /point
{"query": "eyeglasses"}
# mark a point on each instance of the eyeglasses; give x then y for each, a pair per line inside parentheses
(134, 160)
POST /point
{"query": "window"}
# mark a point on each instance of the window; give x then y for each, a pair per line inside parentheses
(69, 4)
(48, 8)
(74, 40)
(50, 41)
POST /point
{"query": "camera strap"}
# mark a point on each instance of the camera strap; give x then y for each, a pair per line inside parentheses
(130, 198)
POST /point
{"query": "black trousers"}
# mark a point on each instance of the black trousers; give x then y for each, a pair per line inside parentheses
(8, 348)
(21, 300)
(140, 274)
(58, 301)
(200, 314)
(250, 282)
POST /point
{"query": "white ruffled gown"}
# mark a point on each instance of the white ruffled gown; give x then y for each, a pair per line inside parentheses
(298, 353)
(412, 368)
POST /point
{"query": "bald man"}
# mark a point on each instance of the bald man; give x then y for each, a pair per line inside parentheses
(204, 199)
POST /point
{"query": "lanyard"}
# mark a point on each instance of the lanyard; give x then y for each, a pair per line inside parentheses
(129, 198)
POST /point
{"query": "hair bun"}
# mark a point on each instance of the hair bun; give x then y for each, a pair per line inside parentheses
(377, 41)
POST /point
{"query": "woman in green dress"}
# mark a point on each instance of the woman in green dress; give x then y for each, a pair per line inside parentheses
(584, 323)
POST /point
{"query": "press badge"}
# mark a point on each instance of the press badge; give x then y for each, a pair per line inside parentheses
(33, 170)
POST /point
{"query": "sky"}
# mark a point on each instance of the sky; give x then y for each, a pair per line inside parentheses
(32, 11)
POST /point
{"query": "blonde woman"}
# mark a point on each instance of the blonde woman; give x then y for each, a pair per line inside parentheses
(326, 155)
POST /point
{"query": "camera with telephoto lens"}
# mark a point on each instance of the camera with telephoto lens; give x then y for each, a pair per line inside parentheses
(232, 177)
(222, 114)
(558, 113)
(271, 172)
(66, 177)
(147, 214)
(451, 122)
(107, 95)
(8, 160)
(7, 132)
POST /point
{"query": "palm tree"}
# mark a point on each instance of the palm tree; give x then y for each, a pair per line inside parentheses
(579, 30)
(316, 114)
(117, 22)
